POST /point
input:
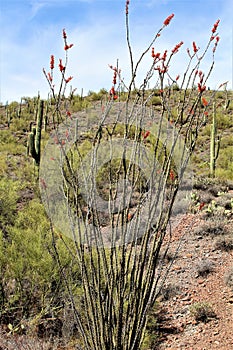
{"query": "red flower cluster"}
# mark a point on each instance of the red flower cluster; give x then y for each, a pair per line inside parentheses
(164, 57)
(202, 204)
(195, 49)
(61, 67)
(215, 27)
(113, 93)
(216, 43)
(68, 79)
(176, 48)
(204, 101)
(114, 76)
(172, 175)
(201, 88)
(164, 68)
(127, 7)
(155, 55)
(168, 19)
(64, 34)
(67, 47)
(51, 62)
(145, 134)
(50, 78)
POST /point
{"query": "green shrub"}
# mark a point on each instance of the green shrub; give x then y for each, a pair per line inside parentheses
(202, 311)
(9, 194)
(155, 101)
(29, 267)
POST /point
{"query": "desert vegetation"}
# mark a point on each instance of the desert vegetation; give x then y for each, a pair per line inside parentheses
(89, 188)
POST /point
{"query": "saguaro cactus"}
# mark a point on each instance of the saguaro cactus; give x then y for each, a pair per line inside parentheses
(214, 144)
(34, 138)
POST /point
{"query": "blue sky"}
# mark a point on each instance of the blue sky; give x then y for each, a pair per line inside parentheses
(31, 30)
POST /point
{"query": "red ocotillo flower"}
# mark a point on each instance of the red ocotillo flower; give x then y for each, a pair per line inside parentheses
(168, 19)
(195, 49)
(201, 88)
(164, 57)
(112, 93)
(155, 55)
(201, 205)
(64, 34)
(114, 81)
(61, 67)
(145, 134)
(67, 47)
(215, 27)
(127, 7)
(172, 175)
(216, 43)
(51, 62)
(204, 101)
(176, 48)
(50, 78)
(68, 79)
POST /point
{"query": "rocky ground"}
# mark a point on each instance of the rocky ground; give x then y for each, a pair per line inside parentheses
(202, 272)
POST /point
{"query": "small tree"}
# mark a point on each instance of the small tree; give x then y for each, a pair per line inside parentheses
(113, 180)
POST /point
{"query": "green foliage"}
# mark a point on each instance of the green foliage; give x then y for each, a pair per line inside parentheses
(34, 138)
(155, 101)
(151, 331)
(30, 282)
(224, 121)
(202, 311)
(225, 163)
(31, 271)
(9, 194)
(97, 96)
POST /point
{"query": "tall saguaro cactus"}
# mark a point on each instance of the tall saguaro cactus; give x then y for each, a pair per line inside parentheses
(34, 139)
(214, 144)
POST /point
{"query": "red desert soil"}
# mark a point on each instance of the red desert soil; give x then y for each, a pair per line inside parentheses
(178, 328)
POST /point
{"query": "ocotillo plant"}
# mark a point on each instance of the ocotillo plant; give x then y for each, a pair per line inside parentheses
(214, 143)
(114, 196)
(34, 138)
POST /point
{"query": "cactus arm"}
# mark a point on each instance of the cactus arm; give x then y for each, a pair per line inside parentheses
(38, 130)
(34, 137)
(214, 144)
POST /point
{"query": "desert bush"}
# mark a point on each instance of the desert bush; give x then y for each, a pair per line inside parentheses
(169, 291)
(225, 243)
(202, 312)
(25, 342)
(212, 228)
(204, 267)
(9, 194)
(228, 278)
(155, 101)
(31, 281)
